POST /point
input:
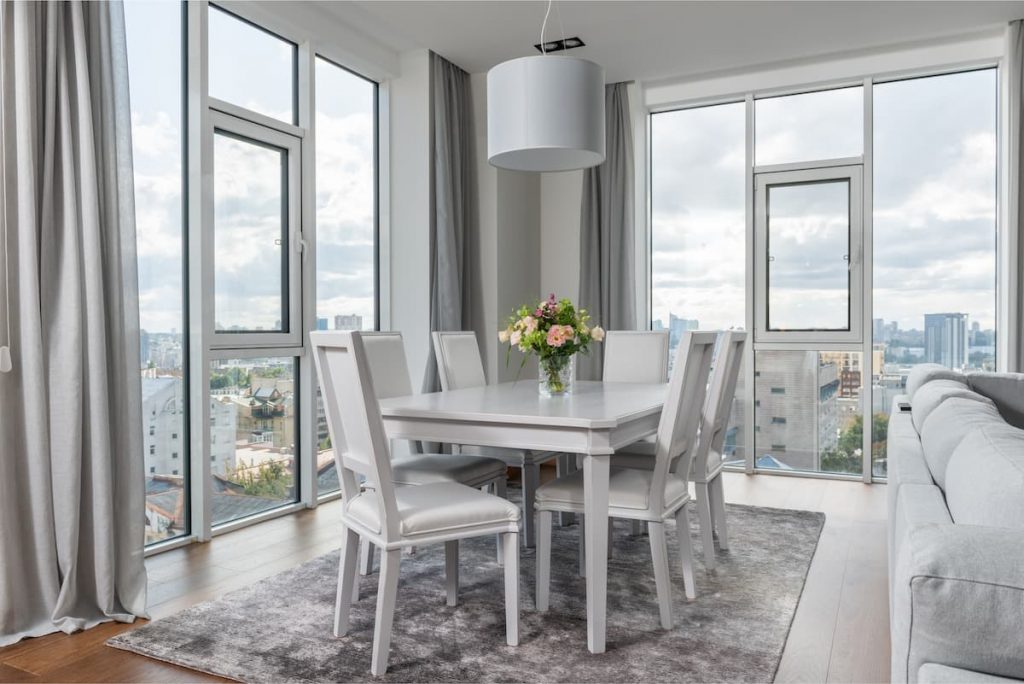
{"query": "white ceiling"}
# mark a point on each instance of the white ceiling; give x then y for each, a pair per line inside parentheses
(648, 40)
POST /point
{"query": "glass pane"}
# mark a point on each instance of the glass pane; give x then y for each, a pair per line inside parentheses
(346, 216)
(154, 69)
(250, 236)
(808, 256)
(250, 67)
(935, 157)
(807, 411)
(698, 229)
(253, 436)
(828, 124)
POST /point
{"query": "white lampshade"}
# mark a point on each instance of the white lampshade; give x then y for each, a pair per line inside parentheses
(545, 113)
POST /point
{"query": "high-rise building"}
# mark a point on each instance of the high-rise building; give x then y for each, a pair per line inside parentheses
(348, 322)
(945, 339)
(321, 323)
(878, 330)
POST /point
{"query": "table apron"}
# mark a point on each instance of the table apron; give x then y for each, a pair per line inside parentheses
(570, 439)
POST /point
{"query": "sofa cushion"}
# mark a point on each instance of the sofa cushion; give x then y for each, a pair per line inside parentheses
(926, 399)
(906, 462)
(926, 372)
(1006, 390)
(985, 478)
(946, 427)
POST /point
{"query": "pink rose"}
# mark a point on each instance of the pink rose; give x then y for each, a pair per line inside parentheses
(514, 338)
(530, 323)
(558, 335)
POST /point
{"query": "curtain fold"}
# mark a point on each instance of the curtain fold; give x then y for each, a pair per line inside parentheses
(72, 509)
(1015, 131)
(607, 260)
(453, 203)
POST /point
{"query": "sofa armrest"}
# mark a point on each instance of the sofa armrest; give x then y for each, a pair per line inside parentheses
(958, 600)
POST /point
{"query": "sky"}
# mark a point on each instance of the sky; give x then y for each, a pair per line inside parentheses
(251, 68)
(934, 204)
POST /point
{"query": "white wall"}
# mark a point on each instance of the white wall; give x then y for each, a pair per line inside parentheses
(560, 196)
(410, 208)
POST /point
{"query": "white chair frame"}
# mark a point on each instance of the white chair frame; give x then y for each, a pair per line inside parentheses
(527, 461)
(362, 447)
(674, 447)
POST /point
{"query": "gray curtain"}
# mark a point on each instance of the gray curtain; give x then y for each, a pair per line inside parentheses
(453, 203)
(607, 282)
(72, 515)
(1015, 62)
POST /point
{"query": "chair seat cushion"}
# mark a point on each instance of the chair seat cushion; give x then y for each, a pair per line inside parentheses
(627, 488)
(512, 457)
(435, 508)
(420, 469)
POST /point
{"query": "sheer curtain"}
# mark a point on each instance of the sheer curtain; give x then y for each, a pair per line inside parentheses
(454, 198)
(72, 511)
(607, 282)
(1015, 234)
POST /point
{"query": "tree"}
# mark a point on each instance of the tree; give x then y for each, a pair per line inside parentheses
(272, 480)
(846, 457)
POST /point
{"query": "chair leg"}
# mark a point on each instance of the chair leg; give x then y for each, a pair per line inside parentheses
(718, 512)
(659, 555)
(346, 582)
(686, 552)
(365, 557)
(706, 525)
(610, 530)
(500, 490)
(451, 571)
(511, 544)
(564, 464)
(543, 559)
(531, 479)
(387, 592)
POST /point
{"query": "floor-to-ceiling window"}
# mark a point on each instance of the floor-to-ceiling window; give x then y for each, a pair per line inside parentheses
(346, 219)
(698, 232)
(850, 285)
(155, 70)
(235, 289)
(935, 231)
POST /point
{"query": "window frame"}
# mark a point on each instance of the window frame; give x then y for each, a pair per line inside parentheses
(764, 181)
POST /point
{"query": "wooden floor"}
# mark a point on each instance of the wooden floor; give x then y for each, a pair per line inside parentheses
(840, 632)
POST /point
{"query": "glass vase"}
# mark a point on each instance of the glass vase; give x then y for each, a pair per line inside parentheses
(557, 374)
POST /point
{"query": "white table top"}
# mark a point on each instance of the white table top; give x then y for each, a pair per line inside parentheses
(593, 405)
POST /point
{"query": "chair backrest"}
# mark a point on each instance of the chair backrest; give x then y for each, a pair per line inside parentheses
(385, 353)
(458, 360)
(635, 356)
(681, 415)
(718, 405)
(354, 421)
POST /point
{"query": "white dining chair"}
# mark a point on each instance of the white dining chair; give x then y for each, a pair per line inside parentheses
(386, 360)
(653, 496)
(636, 356)
(395, 517)
(460, 366)
(706, 471)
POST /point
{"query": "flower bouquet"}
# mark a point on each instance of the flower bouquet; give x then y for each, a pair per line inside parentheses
(555, 332)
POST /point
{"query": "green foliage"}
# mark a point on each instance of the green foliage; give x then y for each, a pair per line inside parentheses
(846, 457)
(272, 480)
(230, 377)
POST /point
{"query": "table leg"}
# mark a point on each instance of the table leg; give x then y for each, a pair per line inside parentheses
(595, 505)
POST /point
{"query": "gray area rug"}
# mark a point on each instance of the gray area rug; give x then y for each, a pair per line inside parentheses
(279, 629)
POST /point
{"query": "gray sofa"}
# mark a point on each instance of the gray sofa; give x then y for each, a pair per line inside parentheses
(956, 527)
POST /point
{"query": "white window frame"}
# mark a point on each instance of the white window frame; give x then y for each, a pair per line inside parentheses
(810, 174)
(259, 134)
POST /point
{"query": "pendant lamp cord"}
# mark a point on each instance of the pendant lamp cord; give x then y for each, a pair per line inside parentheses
(543, 26)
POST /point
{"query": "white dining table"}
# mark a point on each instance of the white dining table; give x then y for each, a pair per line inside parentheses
(593, 421)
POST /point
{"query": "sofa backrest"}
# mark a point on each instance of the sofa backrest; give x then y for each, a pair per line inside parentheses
(985, 478)
(1006, 390)
(928, 397)
(926, 372)
(948, 425)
